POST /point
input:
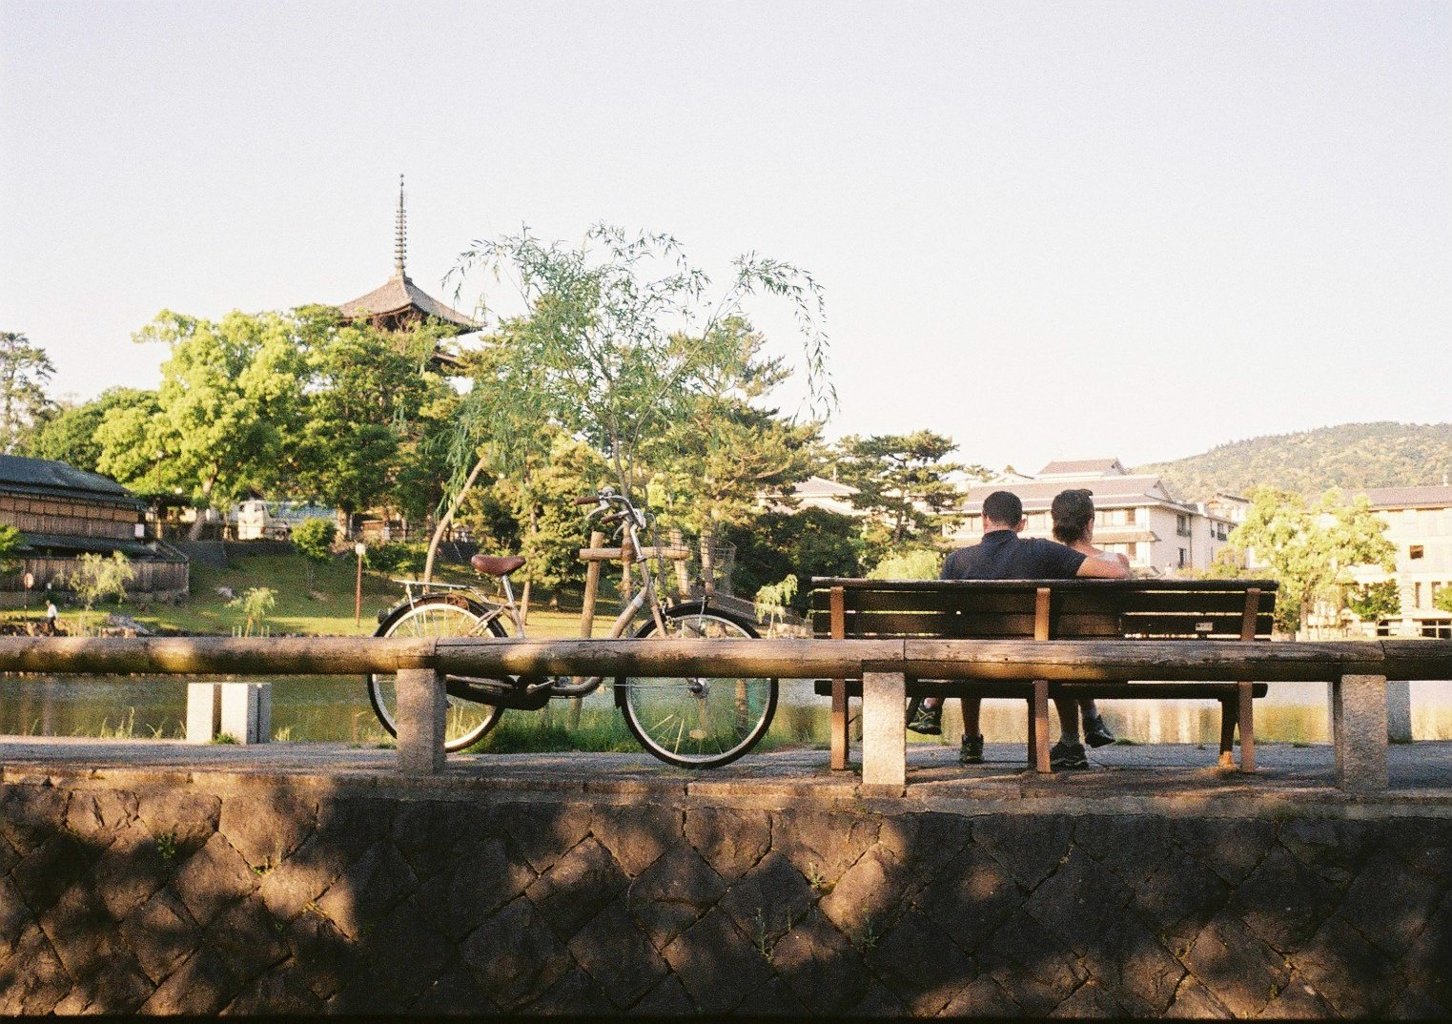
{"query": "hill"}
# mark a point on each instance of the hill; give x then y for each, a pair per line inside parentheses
(1352, 456)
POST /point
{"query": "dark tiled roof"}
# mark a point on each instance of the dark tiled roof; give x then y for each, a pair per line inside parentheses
(1432, 496)
(397, 296)
(66, 543)
(1108, 491)
(43, 476)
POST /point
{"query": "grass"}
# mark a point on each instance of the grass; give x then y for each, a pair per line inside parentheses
(326, 608)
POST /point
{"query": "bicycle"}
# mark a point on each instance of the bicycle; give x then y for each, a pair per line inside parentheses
(692, 722)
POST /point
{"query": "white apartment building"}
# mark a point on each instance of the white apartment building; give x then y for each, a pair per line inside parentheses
(1419, 523)
(1134, 515)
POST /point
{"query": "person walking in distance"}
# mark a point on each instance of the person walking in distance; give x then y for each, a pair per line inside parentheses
(1003, 555)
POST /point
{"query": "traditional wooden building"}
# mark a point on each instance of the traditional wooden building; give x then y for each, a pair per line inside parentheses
(400, 305)
(62, 513)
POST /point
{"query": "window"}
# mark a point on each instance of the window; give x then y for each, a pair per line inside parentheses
(1182, 526)
(1184, 558)
(1417, 594)
(1415, 551)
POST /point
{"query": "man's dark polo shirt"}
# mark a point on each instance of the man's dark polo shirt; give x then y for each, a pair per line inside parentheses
(1004, 555)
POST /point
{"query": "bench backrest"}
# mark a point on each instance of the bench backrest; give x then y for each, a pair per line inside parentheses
(1156, 609)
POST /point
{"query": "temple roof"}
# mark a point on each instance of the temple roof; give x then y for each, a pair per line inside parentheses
(45, 477)
(399, 303)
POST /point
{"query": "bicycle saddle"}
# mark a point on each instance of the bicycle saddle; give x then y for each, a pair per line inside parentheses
(496, 565)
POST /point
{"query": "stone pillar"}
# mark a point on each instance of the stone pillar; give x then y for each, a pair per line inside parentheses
(246, 712)
(204, 712)
(1399, 711)
(422, 704)
(884, 730)
(1358, 715)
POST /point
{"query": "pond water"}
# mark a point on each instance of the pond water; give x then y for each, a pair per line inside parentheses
(334, 709)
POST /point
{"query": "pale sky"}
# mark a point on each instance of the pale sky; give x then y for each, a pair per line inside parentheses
(1048, 230)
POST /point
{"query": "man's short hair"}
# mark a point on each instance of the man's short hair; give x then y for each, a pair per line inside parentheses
(1003, 507)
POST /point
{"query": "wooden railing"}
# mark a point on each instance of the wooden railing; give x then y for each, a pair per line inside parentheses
(1357, 670)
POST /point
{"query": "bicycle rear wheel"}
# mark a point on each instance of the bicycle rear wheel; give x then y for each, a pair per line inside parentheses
(439, 615)
(698, 721)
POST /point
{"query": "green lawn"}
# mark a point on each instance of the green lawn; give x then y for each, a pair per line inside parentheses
(311, 600)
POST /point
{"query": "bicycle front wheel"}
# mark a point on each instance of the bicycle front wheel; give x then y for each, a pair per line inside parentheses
(697, 721)
(439, 615)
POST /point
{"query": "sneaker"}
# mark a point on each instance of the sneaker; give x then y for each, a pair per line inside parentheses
(971, 752)
(1096, 733)
(928, 721)
(1067, 757)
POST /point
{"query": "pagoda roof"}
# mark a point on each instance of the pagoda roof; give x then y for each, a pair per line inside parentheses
(399, 297)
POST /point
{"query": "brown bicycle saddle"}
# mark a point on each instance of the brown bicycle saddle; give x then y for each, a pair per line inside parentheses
(496, 565)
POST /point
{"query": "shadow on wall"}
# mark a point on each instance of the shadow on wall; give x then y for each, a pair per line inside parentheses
(172, 898)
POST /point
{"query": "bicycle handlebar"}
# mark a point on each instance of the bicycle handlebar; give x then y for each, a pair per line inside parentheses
(589, 499)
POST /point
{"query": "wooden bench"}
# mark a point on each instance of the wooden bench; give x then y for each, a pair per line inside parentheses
(1156, 609)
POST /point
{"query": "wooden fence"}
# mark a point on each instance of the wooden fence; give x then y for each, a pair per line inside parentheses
(1357, 670)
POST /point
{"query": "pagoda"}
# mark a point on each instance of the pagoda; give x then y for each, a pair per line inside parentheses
(399, 304)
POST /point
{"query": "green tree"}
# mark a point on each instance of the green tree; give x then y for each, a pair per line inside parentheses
(68, 433)
(1375, 601)
(1309, 550)
(256, 605)
(1443, 600)
(904, 482)
(805, 543)
(915, 564)
(97, 577)
(225, 412)
(314, 539)
(10, 541)
(25, 372)
(620, 335)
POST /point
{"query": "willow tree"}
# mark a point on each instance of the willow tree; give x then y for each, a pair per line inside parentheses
(618, 336)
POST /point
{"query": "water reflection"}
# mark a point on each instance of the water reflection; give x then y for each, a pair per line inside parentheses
(334, 709)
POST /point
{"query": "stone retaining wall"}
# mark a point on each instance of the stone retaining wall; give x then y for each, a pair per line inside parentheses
(155, 893)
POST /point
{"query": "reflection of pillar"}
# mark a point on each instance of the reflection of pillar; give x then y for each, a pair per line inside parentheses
(1399, 711)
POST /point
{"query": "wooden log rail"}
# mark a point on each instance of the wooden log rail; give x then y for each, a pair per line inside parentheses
(1357, 671)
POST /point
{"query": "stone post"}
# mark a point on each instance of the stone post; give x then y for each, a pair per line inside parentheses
(1358, 715)
(421, 709)
(884, 730)
(1399, 711)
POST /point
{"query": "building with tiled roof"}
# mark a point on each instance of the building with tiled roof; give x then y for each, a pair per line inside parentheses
(1419, 524)
(1135, 515)
(62, 513)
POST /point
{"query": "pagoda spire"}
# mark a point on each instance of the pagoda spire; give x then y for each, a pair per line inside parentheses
(399, 241)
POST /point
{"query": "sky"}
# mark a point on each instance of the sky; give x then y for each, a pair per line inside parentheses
(1047, 230)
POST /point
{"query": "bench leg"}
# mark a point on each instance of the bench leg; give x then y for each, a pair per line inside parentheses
(421, 710)
(839, 725)
(1228, 710)
(884, 729)
(1358, 715)
(1245, 719)
(1039, 730)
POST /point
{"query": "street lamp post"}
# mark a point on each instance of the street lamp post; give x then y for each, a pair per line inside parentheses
(360, 549)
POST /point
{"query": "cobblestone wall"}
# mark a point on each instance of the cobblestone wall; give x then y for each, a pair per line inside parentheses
(163, 895)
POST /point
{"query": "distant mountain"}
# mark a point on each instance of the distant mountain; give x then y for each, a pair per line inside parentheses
(1353, 456)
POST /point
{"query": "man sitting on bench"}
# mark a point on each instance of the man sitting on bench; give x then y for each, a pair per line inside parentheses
(1004, 555)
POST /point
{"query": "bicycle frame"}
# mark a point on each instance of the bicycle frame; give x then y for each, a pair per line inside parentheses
(645, 596)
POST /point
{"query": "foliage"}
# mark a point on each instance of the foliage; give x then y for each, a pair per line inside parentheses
(1351, 456)
(314, 538)
(10, 541)
(809, 542)
(395, 558)
(774, 599)
(67, 433)
(711, 463)
(914, 564)
(621, 334)
(224, 414)
(97, 577)
(1309, 549)
(1443, 600)
(1374, 601)
(25, 371)
(256, 605)
(903, 482)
